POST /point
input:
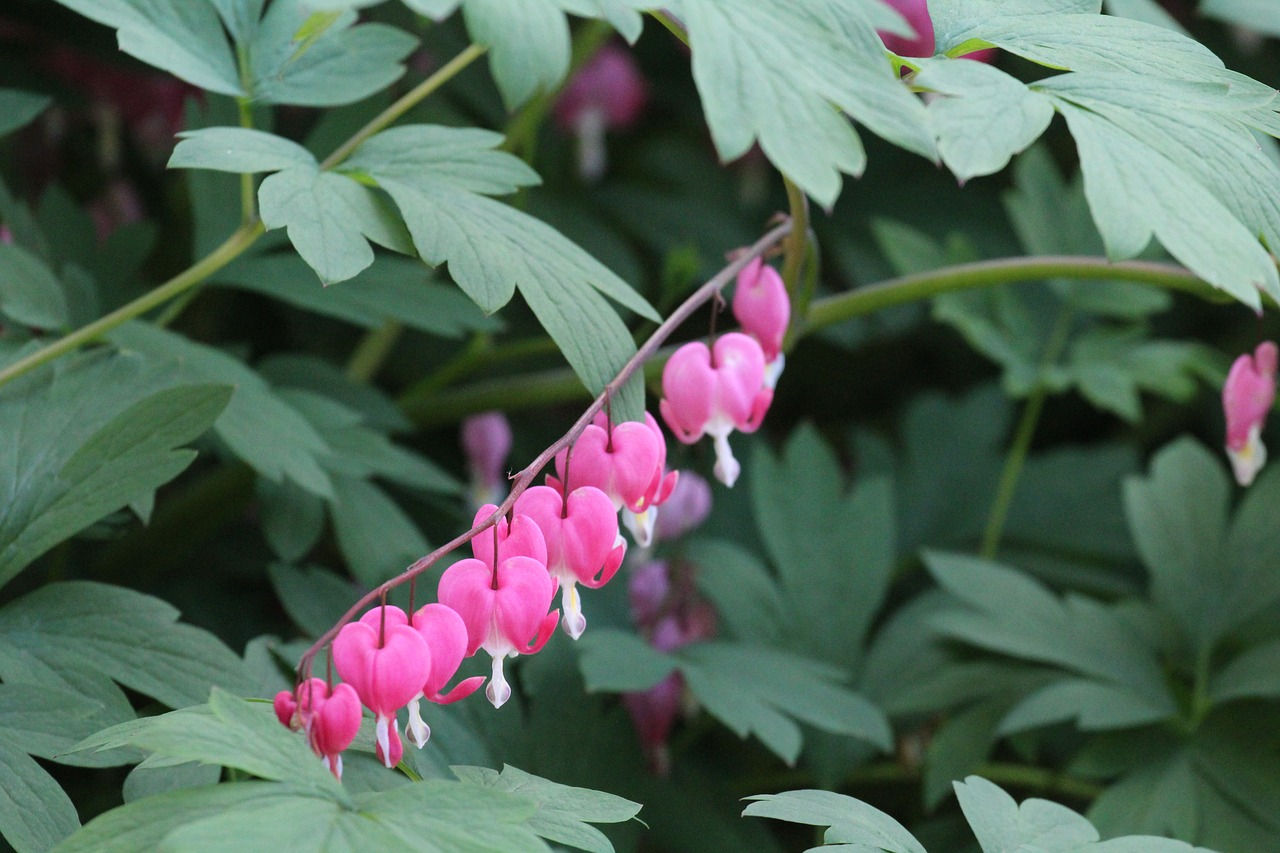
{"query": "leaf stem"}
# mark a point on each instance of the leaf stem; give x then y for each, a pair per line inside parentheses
(525, 478)
(240, 239)
(373, 350)
(1021, 447)
(248, 198)
(795, 250)
(404, 103)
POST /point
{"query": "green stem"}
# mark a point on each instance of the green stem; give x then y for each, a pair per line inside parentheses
(1201, 704)
(406, 102)
(1025, 432)
(671, 24)
(248, 198)
(795, 250)
(910, 288)
(373, 350)
(1012, 471)
(241, 239)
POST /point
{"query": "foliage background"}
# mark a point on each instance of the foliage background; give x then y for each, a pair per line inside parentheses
(1111, 646)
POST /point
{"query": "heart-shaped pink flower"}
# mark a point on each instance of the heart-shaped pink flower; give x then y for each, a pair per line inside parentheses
(330, 717)
(713, 391)
(504, 610)
(1247, 398)
(386, 661)
(762, 306)
(619, 461)
(582, 543)
(520, 538)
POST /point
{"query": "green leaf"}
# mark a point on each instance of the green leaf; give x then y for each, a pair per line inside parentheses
(984, 116)
(772, 70)
(292, 517)
(183, 38)
(144, 781)
(1003, 611)
(240, 16)
(1147, 11)
(314, 598)
(530, 44)
(1258, 15)
(377, 539)
(783, 688)
(320, 212)
(390, 289)
(237, 149)
(564, 813)
(426, 155)
(1136, 192)
(258, 426)
(35, 813)
(29, 292)
(738, 584)
(619, 661)
(125, 635)
(87, 441)
(1253, 674)
(340, 65)
(827, 546)
(1092, 704)
(1002, 826)
(849, 821)
(18, 108)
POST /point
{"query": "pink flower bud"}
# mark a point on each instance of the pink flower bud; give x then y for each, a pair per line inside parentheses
(619, 461)
(653, 713)
(504, 609)
(607, 93)
(386, 661)
(715, 391)
(330, 718)
(582, 543)
(686, 509)
(762, 306)
(486, 441)
(522, 538)
(1247, 397)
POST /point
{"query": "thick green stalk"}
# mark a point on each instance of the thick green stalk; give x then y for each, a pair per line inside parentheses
(373, 351)
(241, 239)
(910, 288)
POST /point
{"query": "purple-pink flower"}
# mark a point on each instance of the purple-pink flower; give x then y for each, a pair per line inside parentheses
(1247, 397)
(607, 93)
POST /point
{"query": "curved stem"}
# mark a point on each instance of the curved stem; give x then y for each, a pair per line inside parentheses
(909, 288)
(373, 350)
(525, 478)
(241, 239)
(1011, 472)
(404, 103)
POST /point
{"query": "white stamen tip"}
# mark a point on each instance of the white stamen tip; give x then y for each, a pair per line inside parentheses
(498, 690)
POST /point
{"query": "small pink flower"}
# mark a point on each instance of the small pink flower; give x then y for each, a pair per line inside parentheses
(686, 509)
(653, 713)
(6, 236)
(582, 543)
(504, 609)
(486, 441)
(329, 717)
(1247, 397)
(619, 461)
(607, 93)
(714, 391)
(387, 662)
(446, 636)
(640, 521)
(521, 538)
(762, 306)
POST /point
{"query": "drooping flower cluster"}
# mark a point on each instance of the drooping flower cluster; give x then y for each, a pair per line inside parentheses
(669, 614)
(1247, 397)
(558, 537)
(714, 390)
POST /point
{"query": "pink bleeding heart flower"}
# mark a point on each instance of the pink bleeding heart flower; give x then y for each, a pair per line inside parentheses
(330, 717)
(653, 712)
(582, 543)
(1247, 397)
(393, 752)
(486, 442)
(607, 93)
(714, 391)
(686, 509)
(763, 308)
(916, 13)
(619, 461)
(520, 538)
(504, 609)
(446, 636)
(641, 520)
(387, 662)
